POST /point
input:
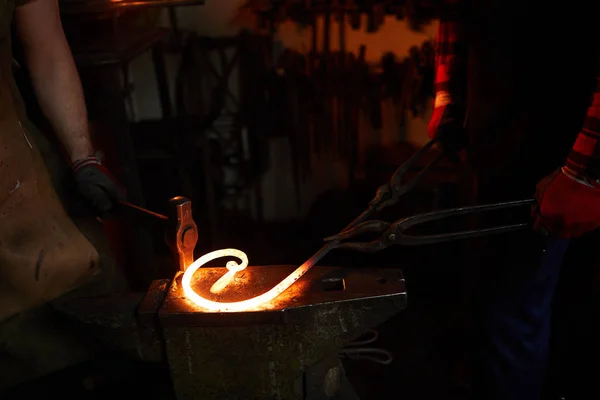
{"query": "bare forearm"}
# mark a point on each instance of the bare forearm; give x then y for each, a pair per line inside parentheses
(54, 75)
(58, 89)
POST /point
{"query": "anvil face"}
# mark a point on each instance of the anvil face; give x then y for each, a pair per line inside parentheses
(263, 353)
(320, 285)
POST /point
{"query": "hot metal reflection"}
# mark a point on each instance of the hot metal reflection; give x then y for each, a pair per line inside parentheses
(233, 268)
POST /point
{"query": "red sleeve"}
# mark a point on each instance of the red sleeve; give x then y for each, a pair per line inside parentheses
(584, 158)
(450, 49)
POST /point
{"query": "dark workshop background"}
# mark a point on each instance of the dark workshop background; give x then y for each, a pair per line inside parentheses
(279, 122)
(280, 138)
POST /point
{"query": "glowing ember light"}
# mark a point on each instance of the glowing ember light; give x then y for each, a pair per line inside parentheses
(233, 268)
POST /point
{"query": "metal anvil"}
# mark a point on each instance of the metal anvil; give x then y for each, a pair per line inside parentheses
(288, 350)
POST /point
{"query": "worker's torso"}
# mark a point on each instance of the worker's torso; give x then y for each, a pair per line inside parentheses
(530, 81)
(42, 253)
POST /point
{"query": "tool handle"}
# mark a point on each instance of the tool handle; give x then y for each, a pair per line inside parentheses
(140, 214)
(397, 235)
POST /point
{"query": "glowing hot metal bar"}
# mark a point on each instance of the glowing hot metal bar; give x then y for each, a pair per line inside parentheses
(233, 268)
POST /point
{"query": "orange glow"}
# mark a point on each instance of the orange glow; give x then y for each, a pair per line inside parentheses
(233, 267)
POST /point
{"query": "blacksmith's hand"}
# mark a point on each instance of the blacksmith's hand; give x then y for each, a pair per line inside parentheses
(97, 185)
(568, 206)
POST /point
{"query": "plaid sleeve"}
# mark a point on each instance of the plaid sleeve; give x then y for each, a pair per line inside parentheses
(584, 158)
(450, 50)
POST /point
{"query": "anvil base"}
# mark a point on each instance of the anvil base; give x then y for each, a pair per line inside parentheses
(267, 354)
(286, 351)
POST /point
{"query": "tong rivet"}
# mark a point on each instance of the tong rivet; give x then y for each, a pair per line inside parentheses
(392, 237)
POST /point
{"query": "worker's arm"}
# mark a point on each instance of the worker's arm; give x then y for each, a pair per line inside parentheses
(451, 54)
(56, 83)
(584, 159)
(569, 199)
(54, 75)
(450, 77)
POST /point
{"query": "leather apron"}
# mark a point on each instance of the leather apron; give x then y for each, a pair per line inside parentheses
(42, 253)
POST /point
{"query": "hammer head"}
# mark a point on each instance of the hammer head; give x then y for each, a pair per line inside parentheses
(182, 236)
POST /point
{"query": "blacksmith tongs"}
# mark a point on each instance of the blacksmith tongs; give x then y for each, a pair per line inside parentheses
(387, 195)
(393, 233)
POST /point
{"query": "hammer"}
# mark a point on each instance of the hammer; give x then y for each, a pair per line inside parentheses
(181, 232)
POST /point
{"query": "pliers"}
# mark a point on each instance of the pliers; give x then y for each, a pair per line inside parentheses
(393, 233)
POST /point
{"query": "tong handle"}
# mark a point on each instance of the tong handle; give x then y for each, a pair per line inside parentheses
(399, 237)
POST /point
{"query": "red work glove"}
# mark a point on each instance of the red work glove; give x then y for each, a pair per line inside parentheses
(447, 125)
(97, 185)
(566, 205)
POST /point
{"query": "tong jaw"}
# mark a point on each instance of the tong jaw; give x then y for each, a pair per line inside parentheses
(387, 238)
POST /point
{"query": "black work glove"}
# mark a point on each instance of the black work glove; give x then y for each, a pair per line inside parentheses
(97, 185)
(447, 126)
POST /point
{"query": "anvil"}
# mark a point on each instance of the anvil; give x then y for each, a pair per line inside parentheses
(286, 351)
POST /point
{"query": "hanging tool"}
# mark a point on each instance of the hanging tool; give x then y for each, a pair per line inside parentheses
(340, 99)
(393, 233)
(359, 74)
(374, 93)
(387, 195)
(181, 232)
(326, 134)
(376, 17)
(290, 70)
(355, 14)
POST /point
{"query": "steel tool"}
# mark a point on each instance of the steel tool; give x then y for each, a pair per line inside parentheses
(181, 232)
(387, 195)
(393, 233)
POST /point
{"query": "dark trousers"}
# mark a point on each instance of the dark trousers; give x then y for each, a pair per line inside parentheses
(514, 321)
(513, 279)
(575, 343)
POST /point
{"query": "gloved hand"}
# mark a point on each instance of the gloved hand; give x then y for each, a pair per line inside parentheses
(446, 124)
(97, 185)
(566, 205)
